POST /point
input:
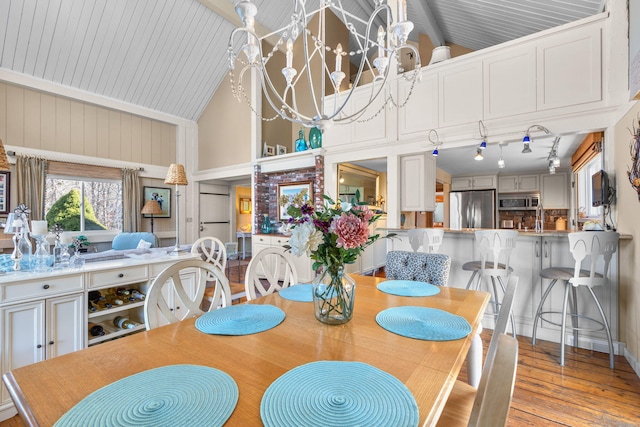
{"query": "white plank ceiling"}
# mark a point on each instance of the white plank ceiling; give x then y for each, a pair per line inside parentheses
(170, 55)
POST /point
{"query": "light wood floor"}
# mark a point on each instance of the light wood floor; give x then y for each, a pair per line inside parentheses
(583, 393)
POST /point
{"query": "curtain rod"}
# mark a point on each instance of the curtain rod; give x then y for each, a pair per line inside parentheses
(13, 154)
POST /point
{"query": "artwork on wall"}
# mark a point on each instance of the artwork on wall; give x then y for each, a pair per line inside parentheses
(245, 205)
(293, 192)
(5, 188)
(281, 149)
(162, 196)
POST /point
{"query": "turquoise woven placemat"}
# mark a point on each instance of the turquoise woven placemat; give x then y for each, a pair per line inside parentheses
(424, 323)
(300, 293)
(408, 288)
(331, 393)
(241, 319)
(176, 395)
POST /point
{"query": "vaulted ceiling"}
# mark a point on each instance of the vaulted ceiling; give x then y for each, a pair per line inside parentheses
(170, 55)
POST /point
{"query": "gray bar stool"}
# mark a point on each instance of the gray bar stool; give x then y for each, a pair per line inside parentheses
(591, 249)
(494, 247)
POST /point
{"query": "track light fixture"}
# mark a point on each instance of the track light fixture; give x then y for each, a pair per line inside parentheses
(501, 162)
(478, 155)
(527, 136)
(553, 154)
(433, 133)
(483, 134)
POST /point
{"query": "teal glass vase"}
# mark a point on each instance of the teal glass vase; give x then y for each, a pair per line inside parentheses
(301, 144)
(315, 138)
(266, 225)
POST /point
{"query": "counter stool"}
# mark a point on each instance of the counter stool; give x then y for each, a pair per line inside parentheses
(494, 247)
(429, 238)
(593, 248)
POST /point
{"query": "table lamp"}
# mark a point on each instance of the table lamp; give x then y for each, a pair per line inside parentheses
(176, 176)
(151, 208)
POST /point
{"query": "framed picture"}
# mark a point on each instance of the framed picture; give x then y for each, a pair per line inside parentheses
(5, 188)
(245, 205)
(281, 149)
(293, 192)
(269, 150)
(162, 196)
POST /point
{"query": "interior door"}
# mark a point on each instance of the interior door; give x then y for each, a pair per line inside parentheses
(215, 213)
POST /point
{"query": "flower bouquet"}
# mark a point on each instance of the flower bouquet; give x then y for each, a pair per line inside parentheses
(332, 236)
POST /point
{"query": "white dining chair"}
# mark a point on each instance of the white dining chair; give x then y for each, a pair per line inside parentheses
(211, 250)
(188, 300)
(269, 271)
(488, 406)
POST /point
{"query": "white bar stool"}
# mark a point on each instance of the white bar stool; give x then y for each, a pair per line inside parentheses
(591, 248)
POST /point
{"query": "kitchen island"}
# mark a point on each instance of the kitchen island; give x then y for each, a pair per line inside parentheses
(533, 252)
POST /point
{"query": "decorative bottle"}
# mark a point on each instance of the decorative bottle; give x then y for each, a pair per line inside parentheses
(25, 248)
(301, 144)
(266, 225)
(123, 323)
(315, 138)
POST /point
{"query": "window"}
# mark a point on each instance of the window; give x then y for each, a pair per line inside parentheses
(584, 174)
(83, 204)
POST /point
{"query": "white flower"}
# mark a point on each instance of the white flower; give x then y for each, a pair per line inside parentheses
(345, 206)
(305, 239)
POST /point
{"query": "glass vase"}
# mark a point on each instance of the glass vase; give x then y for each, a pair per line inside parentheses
(334, 293)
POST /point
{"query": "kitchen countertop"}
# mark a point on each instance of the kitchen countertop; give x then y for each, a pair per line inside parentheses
(546, 233)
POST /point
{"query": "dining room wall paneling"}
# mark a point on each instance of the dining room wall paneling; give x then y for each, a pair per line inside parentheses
(38, 120)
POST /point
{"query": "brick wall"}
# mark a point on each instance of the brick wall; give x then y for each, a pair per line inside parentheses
(266, 191)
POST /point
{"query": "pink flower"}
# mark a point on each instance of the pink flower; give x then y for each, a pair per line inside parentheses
(366, 213)
(352, 231)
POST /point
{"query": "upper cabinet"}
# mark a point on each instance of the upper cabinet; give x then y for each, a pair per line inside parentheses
(510, 83)
(461, 94)
(570, 68)
(417, 182)
(420, 113)
(555, 191)
(517, 183)
(484, 182)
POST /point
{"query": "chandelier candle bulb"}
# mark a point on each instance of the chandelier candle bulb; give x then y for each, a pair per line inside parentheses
(39, 228)
(289, 53)
(338, 57)
(402, 10)
(381, 34)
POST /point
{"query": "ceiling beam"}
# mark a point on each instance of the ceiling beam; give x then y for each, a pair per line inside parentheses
(226, 10)
(432, 28)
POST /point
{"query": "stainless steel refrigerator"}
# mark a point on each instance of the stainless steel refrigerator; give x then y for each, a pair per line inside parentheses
(472, 209)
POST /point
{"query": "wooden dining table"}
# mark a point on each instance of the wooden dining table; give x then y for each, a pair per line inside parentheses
(44, 391)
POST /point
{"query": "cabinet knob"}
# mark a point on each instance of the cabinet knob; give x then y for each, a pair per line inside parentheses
(50, 342)
(121, 275)
(46, 287)
(39, 346)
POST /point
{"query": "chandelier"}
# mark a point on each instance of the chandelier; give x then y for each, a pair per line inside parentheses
(322, 72)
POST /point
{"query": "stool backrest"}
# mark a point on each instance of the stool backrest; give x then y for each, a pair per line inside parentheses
(495, 247)
(591, 249)
(416, 238)
(418, 266)
(433, 239)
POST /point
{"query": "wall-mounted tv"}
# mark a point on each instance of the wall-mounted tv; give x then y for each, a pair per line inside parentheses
(599, 189)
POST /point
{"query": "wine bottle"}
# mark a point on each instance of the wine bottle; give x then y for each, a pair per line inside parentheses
(92, 307)
(122, 292)
(94, 296)
(136, 294)
(123, 323)
(95, 330)
(114, 300)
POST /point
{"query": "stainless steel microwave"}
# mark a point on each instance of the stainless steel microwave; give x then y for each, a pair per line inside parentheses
(518, 201)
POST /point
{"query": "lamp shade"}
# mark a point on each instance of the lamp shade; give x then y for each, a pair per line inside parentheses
(151, 208)
(176, 175)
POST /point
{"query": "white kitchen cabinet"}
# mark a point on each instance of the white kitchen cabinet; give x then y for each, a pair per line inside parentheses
(301, 263)
(510, 82)
(38, 330)
(460, 94)
(555, 191)
(417, 182)
(420, 114)
(517, 183)
(483, 182)
(569, 68)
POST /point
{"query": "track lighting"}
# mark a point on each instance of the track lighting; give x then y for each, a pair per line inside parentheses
(478, 155)
(527, 136)
(436, 143)
(483, 134)
(501, 162)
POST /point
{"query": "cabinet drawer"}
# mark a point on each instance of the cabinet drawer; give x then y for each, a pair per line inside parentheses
(156, 269)
(40, 288)
(119, 276)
